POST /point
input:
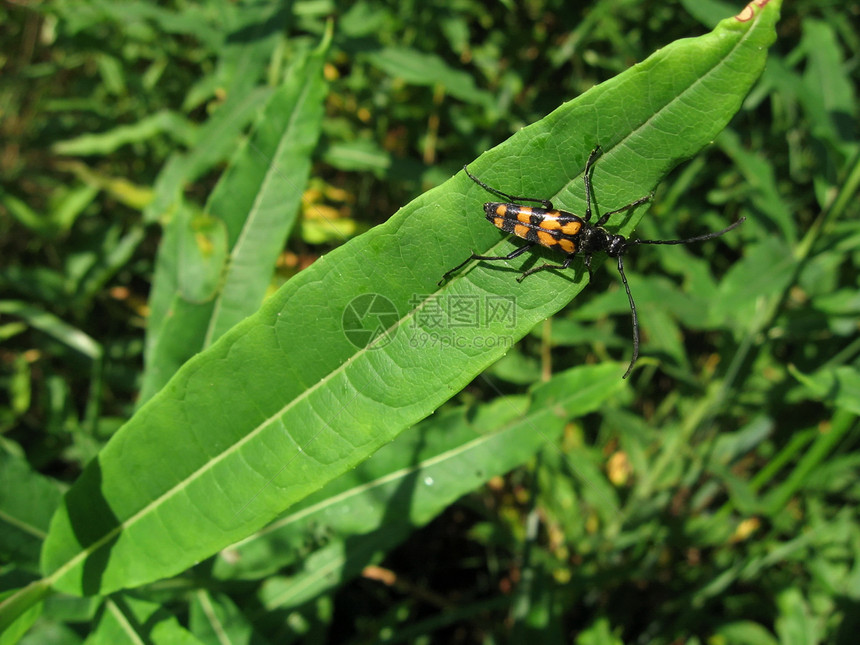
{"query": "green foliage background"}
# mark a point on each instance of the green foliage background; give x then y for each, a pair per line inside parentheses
(711, 499)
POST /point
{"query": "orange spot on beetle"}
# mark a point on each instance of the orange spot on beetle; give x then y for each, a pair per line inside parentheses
(546, 238)
(571, 228)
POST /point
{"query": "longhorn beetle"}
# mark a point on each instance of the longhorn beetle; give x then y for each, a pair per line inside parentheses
(568, 233)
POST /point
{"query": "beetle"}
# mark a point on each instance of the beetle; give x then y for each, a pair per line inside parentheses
(567, 233)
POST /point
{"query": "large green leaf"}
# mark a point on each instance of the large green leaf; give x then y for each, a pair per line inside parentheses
(317, 381)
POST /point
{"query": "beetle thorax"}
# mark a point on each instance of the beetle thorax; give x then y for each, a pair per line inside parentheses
(595, 239)
(615, 245)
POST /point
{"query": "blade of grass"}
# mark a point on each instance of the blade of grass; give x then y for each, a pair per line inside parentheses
(199, 295)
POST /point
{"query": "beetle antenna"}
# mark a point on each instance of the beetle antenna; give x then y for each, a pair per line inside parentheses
(700, 238)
